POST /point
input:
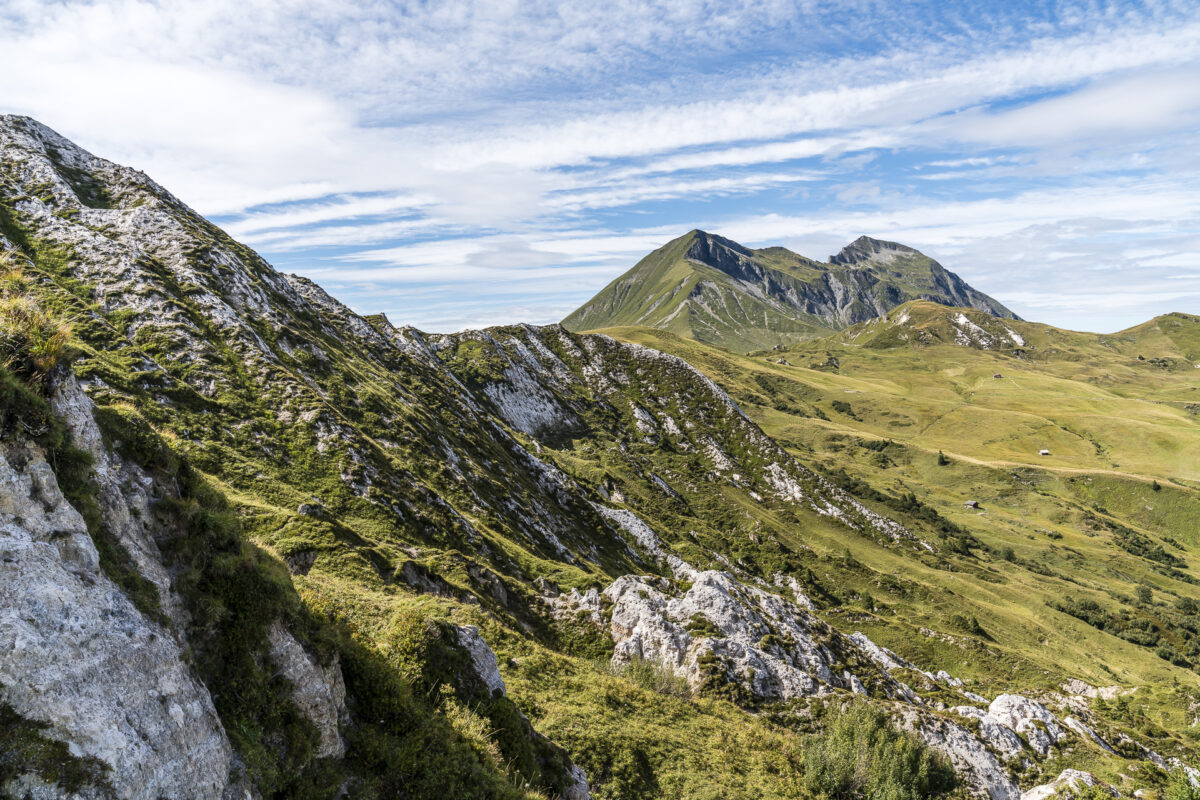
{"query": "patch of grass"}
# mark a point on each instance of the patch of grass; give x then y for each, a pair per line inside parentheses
(652, 677)
(33, 341)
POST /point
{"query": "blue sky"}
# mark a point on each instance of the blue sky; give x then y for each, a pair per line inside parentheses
(457, 164)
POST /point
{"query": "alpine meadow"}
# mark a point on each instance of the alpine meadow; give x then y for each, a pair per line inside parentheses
(810, 517)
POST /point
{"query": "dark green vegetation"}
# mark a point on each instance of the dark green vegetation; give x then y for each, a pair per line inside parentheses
(860, 755)
(714, 290)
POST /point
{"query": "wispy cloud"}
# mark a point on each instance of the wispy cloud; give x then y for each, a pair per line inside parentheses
(474, 150)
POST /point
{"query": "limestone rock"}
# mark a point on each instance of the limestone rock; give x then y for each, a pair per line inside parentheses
(77, 655)
(482, 658)
(1028, 717)
(771, 646)
(972, 760)
(579, 789)
(992, 732)
(124, 494)
(318, 691)
(1067, 782)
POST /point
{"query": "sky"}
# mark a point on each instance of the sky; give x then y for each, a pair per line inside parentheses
(459, 164)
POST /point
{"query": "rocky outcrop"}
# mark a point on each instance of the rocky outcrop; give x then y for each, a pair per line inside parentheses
(318, 691)
(1029, 718)
(483, 660)
(720, 628)
(1068, 782)
(124, 493)
(77, 656)
(972, 760)
(1001, 738)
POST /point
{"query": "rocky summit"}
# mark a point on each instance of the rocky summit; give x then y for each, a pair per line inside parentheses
(714, 290)
(254, 545)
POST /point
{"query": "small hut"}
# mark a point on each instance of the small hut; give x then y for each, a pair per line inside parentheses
(1043, 452)
(972, 504)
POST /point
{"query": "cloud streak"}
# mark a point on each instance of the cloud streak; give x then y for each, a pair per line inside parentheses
(475, 151)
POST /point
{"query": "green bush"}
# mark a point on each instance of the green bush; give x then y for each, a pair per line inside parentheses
(861, 755)
(32, 341)
(968, 624)
(1181, 787)
(653, 677)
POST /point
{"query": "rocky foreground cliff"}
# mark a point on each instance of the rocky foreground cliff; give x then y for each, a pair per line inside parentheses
(261, 546)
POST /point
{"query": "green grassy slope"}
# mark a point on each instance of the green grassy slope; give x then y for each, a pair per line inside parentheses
(1114, 507)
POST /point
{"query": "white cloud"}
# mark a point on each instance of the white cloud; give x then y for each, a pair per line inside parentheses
(1159, 102)
(507, 143)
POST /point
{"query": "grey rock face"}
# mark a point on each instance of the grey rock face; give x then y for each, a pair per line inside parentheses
(318, 691)
(123, 494)
(1069, 780)
(776, 649)
(482, 658)
(971, 759)
(994, 733)
(77, 655)
(579, 789)
(1028, 717)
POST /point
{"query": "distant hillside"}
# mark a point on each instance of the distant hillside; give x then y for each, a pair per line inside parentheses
(714, 290)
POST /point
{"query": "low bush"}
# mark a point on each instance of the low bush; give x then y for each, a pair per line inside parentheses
(861, 755)
(32, 341)
(653, 677)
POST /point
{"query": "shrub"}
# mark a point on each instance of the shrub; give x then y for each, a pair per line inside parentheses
(32, 341)
(968, 624)
(1181, 787)
(942, 460)
(861, 755)
(1168, 653)
(653, 677)
(1145, 594)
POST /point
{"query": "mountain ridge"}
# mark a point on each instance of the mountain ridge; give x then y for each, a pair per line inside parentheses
(713, 289)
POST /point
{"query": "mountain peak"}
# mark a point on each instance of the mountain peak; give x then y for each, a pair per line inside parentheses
(864, 249)
(714, 250)
(706, 287)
